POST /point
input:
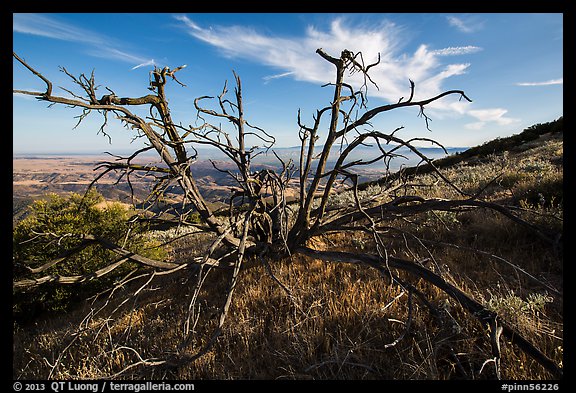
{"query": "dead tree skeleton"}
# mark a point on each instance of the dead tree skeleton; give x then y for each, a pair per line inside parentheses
(264, 227)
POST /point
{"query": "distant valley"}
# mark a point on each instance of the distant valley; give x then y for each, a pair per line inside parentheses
(37, 175)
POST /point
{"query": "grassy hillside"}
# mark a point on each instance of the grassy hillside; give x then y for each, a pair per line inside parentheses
(525, 140)
(336, 321)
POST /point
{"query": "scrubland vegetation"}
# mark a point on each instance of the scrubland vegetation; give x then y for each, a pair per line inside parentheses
(331, 320)
(448, 271)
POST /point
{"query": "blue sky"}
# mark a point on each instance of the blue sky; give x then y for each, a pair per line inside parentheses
(510, 65)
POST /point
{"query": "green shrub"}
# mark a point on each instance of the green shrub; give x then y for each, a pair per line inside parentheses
(524, 313)
(53, 227)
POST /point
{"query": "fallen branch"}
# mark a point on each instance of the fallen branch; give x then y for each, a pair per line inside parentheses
(484, 315)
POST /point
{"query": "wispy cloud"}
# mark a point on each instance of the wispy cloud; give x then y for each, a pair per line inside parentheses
(457, 50)
(145, 64)
(478, 125)
(44, 26)
(492, 115)
(558, 81)
(295, 56)
(465, 24)
(268, 78)
(97, 44)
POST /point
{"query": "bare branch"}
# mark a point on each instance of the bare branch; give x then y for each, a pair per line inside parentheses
(260, 222)
(475, 308)
(48, 91)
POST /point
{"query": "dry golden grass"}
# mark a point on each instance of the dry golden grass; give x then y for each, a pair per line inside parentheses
(339, 321)
(337, 325)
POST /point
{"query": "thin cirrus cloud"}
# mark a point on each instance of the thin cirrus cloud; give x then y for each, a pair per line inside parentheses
(44, 26)
(465, 24)
(268, 78)
(457, 50)
(559, 81)
(145, 64)
(295, 56)
(98, 45)
(492, 115)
